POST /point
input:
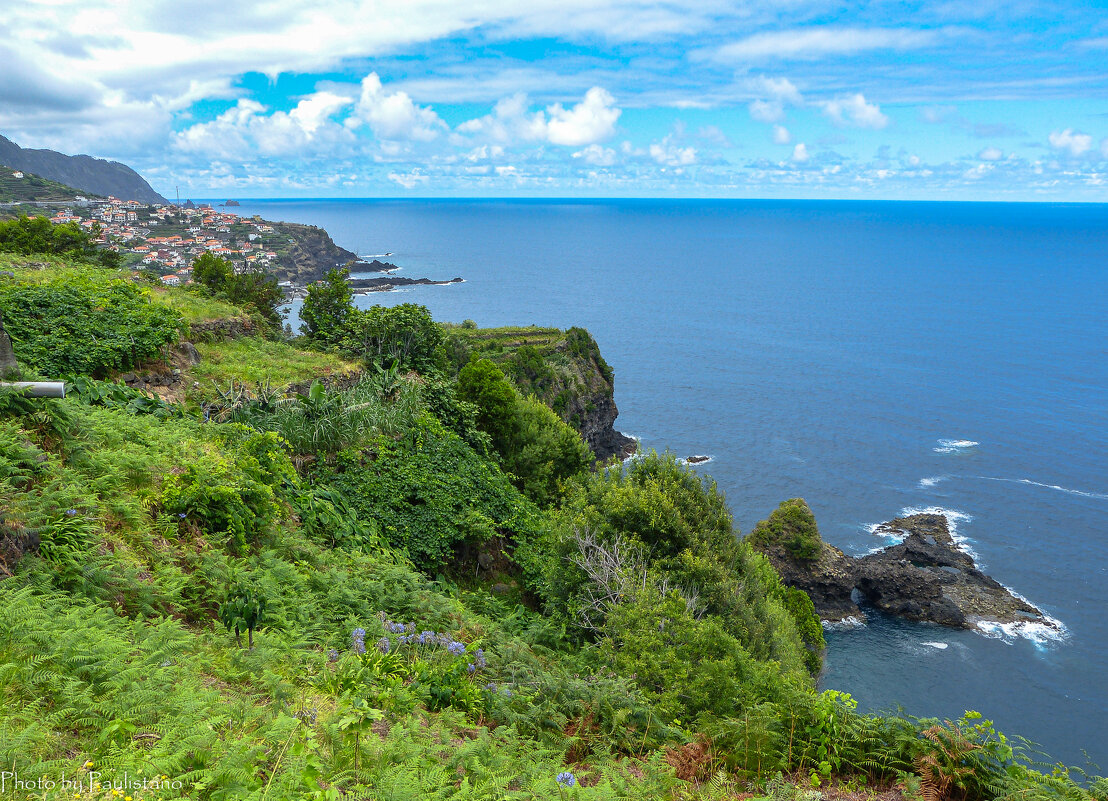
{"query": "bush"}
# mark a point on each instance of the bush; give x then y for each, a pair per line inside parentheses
(85, 327)
(791, 526)
(430, 492)
(38, 235)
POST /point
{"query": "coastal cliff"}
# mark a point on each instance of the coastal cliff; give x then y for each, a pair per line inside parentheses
(309, 255)
(563, 369)
(924, 577)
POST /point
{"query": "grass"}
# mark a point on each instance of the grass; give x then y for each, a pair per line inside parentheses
(255, 361)
(192, 306)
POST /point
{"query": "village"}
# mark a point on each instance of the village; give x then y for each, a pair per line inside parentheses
(168, 238)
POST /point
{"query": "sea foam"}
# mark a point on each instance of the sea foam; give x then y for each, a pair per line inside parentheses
(1028, 482)
(927, 483)
(955, 445)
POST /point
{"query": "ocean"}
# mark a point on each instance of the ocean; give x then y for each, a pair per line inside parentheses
(871, 357)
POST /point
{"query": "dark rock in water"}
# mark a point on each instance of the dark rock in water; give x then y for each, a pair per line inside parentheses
(925, 577)
(698, 459)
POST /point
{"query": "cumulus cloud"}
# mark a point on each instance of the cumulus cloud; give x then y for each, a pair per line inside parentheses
(393, 115)
(991, 154)
(597, 155)
(774, 95)
(669, 153)
(1071, 142)
(800, 152)
(781, 135)
(246, 128)
(854, 110)
(590, 121)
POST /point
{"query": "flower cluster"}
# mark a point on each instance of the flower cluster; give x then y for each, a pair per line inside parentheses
(566, 779)
(357, 640)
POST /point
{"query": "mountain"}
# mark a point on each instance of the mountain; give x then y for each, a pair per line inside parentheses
(97, 176)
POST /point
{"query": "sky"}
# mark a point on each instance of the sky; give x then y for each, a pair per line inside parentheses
(982, 100)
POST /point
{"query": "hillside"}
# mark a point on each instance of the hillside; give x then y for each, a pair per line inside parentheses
(85, 173)
(32, 188)
(236, 566)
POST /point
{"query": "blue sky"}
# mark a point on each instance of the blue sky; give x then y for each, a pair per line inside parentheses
(975, 100)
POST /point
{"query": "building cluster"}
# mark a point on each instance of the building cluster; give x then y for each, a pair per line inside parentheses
(168, 238)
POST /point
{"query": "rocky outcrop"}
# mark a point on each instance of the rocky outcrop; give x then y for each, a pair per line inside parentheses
(390, 283)
(88, 174)
(310, 254)
(925, 577)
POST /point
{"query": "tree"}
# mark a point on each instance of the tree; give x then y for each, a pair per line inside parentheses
(212, 271)
(327, 307)
(254, 288)
(404, 335)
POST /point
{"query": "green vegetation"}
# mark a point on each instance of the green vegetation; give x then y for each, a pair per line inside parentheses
(254, 289)
(419, 622)
(33, 188)
(27, 235)
(82, 326)
(791, 526)
(259, 361)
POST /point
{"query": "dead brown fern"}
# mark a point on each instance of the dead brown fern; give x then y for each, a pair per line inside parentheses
(943, 770)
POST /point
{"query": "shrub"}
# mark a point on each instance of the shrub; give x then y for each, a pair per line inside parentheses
(791, 526)
(85, 327)
(38, 235)
(424, 489)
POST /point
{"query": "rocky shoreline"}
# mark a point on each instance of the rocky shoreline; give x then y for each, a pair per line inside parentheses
(924, 577)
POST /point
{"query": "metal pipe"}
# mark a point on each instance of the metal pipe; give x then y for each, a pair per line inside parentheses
(37, 389)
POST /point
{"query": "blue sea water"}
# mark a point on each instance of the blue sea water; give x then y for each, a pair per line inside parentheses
(870, 357)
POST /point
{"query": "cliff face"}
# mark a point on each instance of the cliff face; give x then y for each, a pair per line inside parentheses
(310, 254)
(563, 369)
(88, 174)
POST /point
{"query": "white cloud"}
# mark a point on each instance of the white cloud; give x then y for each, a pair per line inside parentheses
(811, 43)
(591, 120)
(246, 129)
(597, 155)
(800, 152)
(393, 115)
(854, 110)
(774, 95)
(781, 135)
(991, 154)
(1071, 141)
(669, 154)
(409, 180)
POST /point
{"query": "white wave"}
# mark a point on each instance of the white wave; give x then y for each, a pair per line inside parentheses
(1028, 482)
(1050, 630)
(955, 445)
(850, 622)
(942, 646)
(927, 483)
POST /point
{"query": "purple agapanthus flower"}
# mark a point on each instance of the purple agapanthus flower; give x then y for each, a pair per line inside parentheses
(383, 645)
(357, 640)
(566, 779)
